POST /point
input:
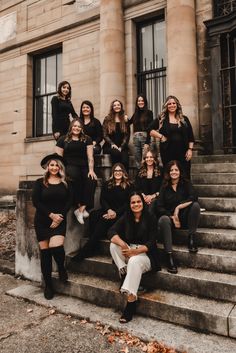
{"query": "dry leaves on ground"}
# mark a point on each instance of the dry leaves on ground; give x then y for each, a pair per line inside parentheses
(7, 234)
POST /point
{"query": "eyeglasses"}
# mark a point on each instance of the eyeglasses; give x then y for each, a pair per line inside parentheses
(118, 171)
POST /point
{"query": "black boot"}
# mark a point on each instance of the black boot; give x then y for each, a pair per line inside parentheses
(192, 247)
(171, 267)
(128, 313)
(46, 268)
(59, 256)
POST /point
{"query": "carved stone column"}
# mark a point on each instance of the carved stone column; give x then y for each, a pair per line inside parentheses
(182, 57)
(112, 54)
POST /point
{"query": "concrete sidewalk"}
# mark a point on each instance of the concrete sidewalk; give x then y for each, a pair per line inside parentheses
(147, 329)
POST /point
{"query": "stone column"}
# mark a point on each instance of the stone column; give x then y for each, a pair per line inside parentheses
(182, 57)
(112, 54)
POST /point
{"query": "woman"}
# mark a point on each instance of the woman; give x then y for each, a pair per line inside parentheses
(116, 134)
(177, 207)
(77, 149)
(113, 199)
(149, 177)
(133, 249)
(62, 108)
(52, 198)
(175, 133)
(92, 126)
(141, 119)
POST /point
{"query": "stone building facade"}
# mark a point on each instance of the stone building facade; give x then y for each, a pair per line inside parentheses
(108, 49)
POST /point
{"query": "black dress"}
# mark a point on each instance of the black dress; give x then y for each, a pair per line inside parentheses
(56, 198)
(94, 130)
(61, 110)
(75, 155)
(177, 144)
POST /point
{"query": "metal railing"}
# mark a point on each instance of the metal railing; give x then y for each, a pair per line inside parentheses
(224, 7)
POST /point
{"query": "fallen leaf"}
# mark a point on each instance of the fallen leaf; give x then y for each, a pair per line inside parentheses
(84, 321)
(52, 311)
(105, 330)
(111, 339)
(29, 310)
(125, 350)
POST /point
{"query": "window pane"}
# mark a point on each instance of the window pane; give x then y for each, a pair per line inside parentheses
(160, 44)
(49, 123)
(41, 115)
(51, 74)
(147, 48)
(59, 66)
(40, 76)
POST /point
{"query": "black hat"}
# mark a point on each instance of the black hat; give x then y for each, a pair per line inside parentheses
(49, 157)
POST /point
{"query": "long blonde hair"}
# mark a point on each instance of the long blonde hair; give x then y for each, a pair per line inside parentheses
(143, 169)
(62, 172)
(179, 113)
(82, 136)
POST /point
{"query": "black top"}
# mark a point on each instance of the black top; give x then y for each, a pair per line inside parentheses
(94, 130)
(115, 198)
(75, 152)
(169, 199)
(117, 137)
(148, 186)
(141, 120)
(56, 198)
(61, 109)
(178, 136)
(142, 233)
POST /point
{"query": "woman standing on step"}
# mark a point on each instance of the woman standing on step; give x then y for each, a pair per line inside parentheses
(77, 149)
(62, 108)
(176, 207)
(149, 177)
(116, 134)
(113, 200)
(175, 133)
(52, 198)
(133, 249)
(92, 126)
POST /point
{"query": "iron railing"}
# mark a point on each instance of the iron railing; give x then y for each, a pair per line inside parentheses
(224, 7)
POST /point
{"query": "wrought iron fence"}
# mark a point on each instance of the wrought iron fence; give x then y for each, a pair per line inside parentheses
(224, 7)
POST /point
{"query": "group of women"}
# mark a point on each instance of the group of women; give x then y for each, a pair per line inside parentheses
(134, 215)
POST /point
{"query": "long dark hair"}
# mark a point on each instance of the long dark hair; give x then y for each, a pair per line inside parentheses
(167, 178)
(141, 114)
(62, 83)
(90, 104)
(110, 122)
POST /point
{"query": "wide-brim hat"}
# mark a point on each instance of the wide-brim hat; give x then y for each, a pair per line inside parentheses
(49, 157)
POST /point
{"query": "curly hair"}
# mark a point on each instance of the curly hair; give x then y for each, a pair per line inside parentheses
(143, 169)
(62, 173)
(167, 178)
(125, 182)
(179, 113)
(62, 83)
(82, 136)
(110, 122)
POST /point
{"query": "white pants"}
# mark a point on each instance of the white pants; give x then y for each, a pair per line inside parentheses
(136, 266)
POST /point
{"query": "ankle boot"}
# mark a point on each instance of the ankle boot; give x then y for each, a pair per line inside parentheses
(171, 267)
(128, 313)
(48, 291)
(192, 247)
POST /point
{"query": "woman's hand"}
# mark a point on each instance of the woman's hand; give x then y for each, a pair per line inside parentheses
(110, 214)
(56, 135)
(92, 175)
(115, 146)
(56, 217)
(126, 118)
(188, 155)
(163, 139)
(130, 252)
(148, 199)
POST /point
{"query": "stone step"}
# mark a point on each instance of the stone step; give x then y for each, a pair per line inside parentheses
(224, 158)
(215, 190)
(198, 313)
(214, 178)
(210, 259)
(213, 168)
(191, 281)
(223, 204)
(216, 219)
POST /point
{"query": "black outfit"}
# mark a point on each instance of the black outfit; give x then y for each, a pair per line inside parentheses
(115, 198)
(141, 121)
(141, 233)
(148, 186)
(120, 139)
(177, 144)
(61, 109)
(165, 205)
(75, 155)
(56, 198)
(94, 130)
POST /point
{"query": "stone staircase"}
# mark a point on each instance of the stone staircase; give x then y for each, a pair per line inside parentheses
(202, 295)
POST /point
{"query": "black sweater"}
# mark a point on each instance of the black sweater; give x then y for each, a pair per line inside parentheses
(141, 120)
(61, 110)
(94, 130)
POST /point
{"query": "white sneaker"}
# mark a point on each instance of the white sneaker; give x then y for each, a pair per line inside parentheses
(202, 210)
(85, 214)
(79, 216)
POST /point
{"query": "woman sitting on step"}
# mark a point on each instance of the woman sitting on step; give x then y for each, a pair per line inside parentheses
(133, 249)
(52, 198)
(113, 200)
(176, 207)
